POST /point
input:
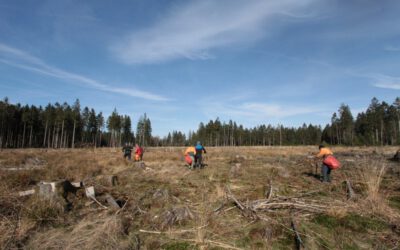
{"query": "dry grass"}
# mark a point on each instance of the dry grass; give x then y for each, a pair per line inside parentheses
(170, 207)
(93, 233)
(372, 174)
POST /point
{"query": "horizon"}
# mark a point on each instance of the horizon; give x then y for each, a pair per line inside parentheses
(185, 62)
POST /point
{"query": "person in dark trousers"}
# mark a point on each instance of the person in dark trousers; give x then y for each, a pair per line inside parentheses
(199, 155)
(127, 150)
(325, 170)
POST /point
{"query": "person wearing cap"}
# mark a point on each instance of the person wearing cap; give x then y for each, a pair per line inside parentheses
(127, 150)
(325, 170)
(199, 154)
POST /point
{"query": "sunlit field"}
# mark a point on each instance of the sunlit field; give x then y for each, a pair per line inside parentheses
(244, 198)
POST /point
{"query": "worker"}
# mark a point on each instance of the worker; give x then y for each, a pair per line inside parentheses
(190, 152)
(325, 169)
(127, 150)
(199, 155)
(138, 153)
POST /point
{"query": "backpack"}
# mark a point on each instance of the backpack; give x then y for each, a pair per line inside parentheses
(332, 162)
(188, 159)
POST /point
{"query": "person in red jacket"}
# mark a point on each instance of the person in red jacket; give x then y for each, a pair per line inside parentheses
(138, 153)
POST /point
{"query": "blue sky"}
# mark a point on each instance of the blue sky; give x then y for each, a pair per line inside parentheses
(183, 62)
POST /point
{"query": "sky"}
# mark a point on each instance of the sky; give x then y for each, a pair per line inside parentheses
(183, 62)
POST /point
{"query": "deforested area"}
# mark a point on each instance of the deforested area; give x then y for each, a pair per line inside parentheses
(199, 124)
(243, 198)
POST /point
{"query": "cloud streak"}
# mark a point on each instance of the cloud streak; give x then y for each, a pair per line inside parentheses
(392, 48)
(23, 60)
(386, 82)
(256, 111)
(193, 30)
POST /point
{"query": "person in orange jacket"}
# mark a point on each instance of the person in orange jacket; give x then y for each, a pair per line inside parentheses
(190, 152)
(325, 170)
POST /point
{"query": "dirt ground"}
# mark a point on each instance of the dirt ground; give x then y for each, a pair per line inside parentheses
(244, 198)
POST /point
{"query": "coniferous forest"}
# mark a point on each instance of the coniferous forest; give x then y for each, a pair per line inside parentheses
(71, 126)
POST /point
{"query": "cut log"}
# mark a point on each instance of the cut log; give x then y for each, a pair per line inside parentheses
(46, 191)
(90, 192)
(77, 184)
(52, 184)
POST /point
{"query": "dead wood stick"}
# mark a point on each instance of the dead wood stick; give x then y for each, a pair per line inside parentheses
(299, 242)
(93, 198)
(350, 191)
(238, 203)
(269, 194)
(219, 208)
(298, 203)
(27, 192)
(126, 202)
(223, 245)
(150, 232)
(247, 211)
(215, 243)
(140, 210)
(229, 209)
(173, 232)
(289, 204)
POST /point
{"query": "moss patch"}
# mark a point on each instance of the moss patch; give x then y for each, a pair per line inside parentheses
(353, 222)
(394, 202)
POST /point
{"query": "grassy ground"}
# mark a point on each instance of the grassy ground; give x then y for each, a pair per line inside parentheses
(167, 206)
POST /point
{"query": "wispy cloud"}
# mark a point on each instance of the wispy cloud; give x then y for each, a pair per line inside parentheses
(23, 60)
(256, 111)
(386, 82)
(392, 48)
(193, 30)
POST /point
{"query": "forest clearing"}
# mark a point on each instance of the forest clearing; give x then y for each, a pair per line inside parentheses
(244, 198)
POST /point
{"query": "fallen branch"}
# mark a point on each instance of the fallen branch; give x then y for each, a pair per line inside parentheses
(219, 208)
(229, 209)
(238, 203)
(173, 232)
(215, 243)
(90, 193)
(299, 242)
(150, 232)
(247, 211)
(269, 194)
(126, 202)
(285, 205)
(101, 205)
(350, 192)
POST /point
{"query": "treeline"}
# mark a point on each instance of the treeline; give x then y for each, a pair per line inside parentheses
(67, 126)
(378, 125)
